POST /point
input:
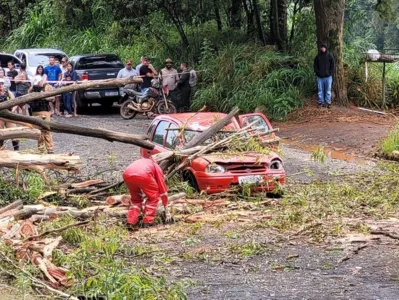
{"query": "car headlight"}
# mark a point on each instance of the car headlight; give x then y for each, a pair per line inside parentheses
(212, 168)
(276, 165)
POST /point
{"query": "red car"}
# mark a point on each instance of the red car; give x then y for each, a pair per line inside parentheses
(215, 173)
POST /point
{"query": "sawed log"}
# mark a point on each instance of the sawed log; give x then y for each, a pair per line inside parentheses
(13, 159)
(19, 133)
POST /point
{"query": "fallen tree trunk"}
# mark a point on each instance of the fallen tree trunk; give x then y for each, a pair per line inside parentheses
(138, 140)
(19, 133)
(206, 134)
(15, 205)
(70, 88)
(202, 137)
(19, 214)
(13, 159)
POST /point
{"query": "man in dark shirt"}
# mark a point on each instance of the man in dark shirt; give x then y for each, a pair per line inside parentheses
(147, 74)
(184, 86)
(11, 75)
(324, 68)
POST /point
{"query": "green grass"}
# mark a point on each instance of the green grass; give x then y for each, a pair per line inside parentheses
(391, 142)
(371, 195)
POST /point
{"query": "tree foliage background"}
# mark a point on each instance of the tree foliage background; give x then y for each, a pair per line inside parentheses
(251, 53)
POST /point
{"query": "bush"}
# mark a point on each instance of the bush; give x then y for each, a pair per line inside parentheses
(391, 142)
(253, 77)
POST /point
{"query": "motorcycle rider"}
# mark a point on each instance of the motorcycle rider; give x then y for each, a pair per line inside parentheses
(170, 77)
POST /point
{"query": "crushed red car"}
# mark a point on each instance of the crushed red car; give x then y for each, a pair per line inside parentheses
(214, 173)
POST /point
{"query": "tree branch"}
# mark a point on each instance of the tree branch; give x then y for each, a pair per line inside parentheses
(67, 89)
(138, 140)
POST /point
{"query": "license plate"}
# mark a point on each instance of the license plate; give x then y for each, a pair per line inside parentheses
(110, 94)
(250, 179)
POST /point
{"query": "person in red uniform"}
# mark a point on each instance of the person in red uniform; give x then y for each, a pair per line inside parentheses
(144, 176)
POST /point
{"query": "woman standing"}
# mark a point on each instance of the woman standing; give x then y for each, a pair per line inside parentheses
(22, 86)
(6, 95)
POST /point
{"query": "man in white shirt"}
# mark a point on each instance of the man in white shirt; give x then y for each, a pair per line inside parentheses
(127, 71)
(170, 77)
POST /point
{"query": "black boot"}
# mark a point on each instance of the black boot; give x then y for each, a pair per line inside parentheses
(15, 144)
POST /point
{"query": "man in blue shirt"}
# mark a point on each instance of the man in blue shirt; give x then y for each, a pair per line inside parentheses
(53, 73)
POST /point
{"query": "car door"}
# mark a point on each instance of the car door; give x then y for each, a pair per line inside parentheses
(262, 124)
(157, 134)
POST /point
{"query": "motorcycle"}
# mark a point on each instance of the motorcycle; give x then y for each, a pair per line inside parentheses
(152, 100)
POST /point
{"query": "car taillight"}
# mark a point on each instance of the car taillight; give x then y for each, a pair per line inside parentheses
(85, 76)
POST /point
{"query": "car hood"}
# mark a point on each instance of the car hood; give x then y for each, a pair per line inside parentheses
(245, 157)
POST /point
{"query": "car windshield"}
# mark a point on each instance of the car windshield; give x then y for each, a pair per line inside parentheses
(190, 134)
(99, 62)
(42, 59)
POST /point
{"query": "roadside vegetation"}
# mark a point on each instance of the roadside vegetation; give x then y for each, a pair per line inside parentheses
(390, 144)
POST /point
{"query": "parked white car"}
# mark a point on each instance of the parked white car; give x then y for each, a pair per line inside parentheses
(36, 57)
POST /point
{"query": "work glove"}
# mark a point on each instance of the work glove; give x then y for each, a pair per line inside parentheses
(168, 216)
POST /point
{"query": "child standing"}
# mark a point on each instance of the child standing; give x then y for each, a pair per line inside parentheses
(68, 97)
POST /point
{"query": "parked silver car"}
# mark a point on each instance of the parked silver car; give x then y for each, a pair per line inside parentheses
(36, 57)
(5, 58)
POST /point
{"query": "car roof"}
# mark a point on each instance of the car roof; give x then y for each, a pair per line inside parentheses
(93, 54)
(198, 121)
(40, 50)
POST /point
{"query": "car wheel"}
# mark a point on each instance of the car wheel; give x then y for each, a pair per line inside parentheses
(190, 178)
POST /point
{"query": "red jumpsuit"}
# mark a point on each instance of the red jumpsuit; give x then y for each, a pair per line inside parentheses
(145, 176)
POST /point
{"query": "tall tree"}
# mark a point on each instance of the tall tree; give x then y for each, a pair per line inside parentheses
(235, 14)
(278, 23)
(330, 25)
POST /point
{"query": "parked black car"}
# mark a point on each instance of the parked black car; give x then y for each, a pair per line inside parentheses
(96, 67)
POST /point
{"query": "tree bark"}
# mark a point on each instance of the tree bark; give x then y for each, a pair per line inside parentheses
(138, 140)
(258, 22)
(278, 24)
(70, 88)
(250, 17)
(19, 133)
(13, 159)
(235, 14)
(217, 15)
(330, 23)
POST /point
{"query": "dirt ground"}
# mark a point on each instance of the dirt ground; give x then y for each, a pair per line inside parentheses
(343, 132)
(271, 266)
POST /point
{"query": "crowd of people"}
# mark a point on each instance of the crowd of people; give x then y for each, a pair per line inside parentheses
(181, 86)
(55, 75)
